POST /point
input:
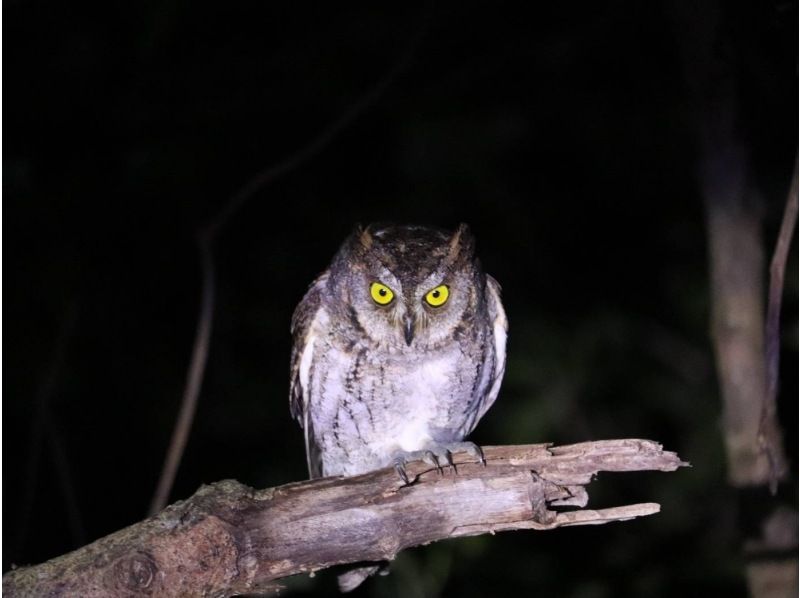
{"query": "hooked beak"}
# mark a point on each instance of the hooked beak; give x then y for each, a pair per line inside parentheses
(408, 328)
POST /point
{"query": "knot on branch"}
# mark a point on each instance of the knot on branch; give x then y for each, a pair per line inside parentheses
(133, 573)
(229, 540)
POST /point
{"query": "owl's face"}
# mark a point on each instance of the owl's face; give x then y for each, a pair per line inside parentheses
(408, 286)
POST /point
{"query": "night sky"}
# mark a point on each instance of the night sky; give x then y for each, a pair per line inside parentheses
(562, 134)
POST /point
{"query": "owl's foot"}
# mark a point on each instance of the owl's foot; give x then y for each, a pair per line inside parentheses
(472, 449)
(438, 455)
(403, 458)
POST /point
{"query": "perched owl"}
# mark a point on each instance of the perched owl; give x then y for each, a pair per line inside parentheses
(399, 350)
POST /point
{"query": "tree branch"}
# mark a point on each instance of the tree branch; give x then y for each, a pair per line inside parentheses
(194, 379)
(230, 539)
(208, 233)
(770, 438)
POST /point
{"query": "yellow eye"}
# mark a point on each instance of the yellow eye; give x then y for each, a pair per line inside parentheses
(381, 294)
(438, 296)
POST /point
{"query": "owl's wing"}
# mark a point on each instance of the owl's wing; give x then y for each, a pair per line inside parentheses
(304, 334)
(497, 317)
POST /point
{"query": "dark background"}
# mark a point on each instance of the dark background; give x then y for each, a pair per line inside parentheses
(562, 135)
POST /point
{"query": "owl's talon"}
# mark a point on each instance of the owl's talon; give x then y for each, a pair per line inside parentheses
(399, 467)
(432, 458)
(468, 447)
(448, 456)
(437, 455)
(481, 456)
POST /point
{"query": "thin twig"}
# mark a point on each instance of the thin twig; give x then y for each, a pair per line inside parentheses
(208, 234)
(44, 395)
(769, 436)
(319, 143)
(194, 379)
(58, 452)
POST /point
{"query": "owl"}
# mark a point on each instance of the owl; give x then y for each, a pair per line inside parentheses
(399, 349)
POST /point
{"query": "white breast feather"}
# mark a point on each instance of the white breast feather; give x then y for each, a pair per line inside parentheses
(427, 384)
(304, 377)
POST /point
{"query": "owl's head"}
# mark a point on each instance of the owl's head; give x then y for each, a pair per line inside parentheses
(408, 285)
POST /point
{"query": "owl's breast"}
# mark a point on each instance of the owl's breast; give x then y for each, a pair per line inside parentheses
(427, 394)
(367, 404)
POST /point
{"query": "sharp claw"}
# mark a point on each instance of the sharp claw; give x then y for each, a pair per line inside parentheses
(399, 467)
(441, 454)
(448, 456)
(481, 456)
(432, 459)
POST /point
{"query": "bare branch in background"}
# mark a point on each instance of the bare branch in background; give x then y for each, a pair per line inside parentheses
(746, 366)
(735, 240)
(229, 539)
(206, 238)
(769, 432)
(43, 427)
(194, 380)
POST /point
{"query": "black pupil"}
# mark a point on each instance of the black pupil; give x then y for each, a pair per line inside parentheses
(436, 294)
(382, 292)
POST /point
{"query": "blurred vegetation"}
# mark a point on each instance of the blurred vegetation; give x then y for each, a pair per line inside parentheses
(561, 136)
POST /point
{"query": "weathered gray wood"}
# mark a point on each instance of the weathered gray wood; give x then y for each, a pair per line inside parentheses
(230, 539)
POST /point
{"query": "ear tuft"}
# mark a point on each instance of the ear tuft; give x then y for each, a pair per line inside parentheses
(364, 236)
(462, 242)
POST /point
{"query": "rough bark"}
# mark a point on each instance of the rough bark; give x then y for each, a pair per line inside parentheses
(229, 539)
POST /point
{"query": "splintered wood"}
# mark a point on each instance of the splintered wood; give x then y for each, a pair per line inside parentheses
(229, 539)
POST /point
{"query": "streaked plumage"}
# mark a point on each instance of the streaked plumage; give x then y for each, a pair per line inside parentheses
(360, 392)
(371, 383)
